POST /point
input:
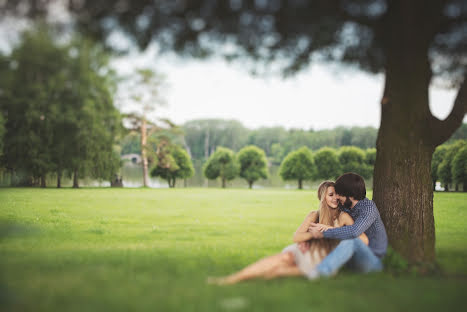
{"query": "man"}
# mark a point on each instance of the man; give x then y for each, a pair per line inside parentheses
(351, 192)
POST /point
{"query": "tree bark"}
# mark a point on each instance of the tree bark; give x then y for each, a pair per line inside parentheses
(59, 179)
(75, 179)
(250, 184)
(300, 186)
(223, 182)
(409, 134)
(43, 183)
(143, 152)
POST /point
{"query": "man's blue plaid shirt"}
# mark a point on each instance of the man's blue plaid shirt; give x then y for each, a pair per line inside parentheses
(368, 221)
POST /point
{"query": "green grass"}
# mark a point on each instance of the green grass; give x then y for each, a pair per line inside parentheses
(152, 249)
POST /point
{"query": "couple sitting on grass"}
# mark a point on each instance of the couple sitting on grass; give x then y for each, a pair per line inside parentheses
(346, 230)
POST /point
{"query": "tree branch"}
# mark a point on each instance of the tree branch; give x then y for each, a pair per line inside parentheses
(441, 130)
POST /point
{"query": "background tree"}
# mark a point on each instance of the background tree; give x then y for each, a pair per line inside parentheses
(60, 109)
(253, 164)
(173, 163)
(203, 136)
(144, 91)
(352, 159)
(370, 160)
(222, 164)
(327, 164)
(92, 120)
(445, 167)
(277, 153)
(438, 157)
(298, 165)
(412, 42)
(459, 168)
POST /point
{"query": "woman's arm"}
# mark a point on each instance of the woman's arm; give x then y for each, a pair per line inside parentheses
(302, 234)
(346, 219)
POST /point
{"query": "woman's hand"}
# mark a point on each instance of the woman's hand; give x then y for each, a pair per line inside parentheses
(318, 227)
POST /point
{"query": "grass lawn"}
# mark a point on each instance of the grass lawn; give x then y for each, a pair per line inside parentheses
(152, 249)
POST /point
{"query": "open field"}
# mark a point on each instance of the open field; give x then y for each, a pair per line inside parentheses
(152, 249)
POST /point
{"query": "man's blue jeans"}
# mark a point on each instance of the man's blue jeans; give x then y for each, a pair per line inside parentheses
(354, 252)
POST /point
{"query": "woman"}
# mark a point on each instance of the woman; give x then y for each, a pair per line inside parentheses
(306, 253)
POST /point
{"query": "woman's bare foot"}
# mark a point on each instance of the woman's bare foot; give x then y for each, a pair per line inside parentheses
(219, 280)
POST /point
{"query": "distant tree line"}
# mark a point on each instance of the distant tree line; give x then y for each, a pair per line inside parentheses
(202, 137)
(300, 165)
(449, 165)
(57, 114)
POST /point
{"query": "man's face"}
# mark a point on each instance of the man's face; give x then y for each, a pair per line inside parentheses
(344, 201)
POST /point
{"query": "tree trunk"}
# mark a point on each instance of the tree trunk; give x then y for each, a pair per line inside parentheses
(223, 182)
(206, 144)
(408, 133)
(43, 183)
(446, 187)
(300, 186)
(59, 179)
(464, 187)
(143, 152)
(75, 179)
(250, 184)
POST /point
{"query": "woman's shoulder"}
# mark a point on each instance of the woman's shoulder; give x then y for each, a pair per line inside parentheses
(313, 214)
(344, 217)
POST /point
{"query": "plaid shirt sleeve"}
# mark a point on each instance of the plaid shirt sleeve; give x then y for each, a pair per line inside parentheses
(364, 220)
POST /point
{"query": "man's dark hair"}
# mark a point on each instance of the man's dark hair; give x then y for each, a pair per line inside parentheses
(351, 185)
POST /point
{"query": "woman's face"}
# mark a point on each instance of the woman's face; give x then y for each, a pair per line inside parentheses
(331, 197)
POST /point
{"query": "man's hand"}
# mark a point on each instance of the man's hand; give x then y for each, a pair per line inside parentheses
(315, 232)
(304, 246)
(318, 227)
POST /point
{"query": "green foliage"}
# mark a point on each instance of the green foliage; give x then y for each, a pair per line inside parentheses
(394, 262)
(277, 153)
(327, 164)
(131, 144)
(436, 160)
(61, 117)
(176, 164)
(445, 167)
(222, 164)
(253, 164)
(370, 156)
(203, 136)
(298, 165)
(459, 167)
(352, 159)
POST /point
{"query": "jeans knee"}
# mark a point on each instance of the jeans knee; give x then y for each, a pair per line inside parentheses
(348, 242)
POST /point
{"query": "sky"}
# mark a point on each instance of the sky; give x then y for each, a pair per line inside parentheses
(321, 97)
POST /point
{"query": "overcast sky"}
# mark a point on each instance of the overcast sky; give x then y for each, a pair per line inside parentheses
(321, 97)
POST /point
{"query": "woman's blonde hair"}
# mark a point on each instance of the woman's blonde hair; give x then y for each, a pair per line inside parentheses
(325, 213)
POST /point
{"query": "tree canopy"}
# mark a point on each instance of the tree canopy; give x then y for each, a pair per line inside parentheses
(60, 113)
(253, 164)
(222, 164)
(174, 164)
(298, 165)
(327, 164)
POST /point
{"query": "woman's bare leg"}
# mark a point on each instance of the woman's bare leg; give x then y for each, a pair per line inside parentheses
(283, 271)
(278, 265)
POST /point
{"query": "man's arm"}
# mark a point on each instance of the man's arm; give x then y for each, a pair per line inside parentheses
(362, 223)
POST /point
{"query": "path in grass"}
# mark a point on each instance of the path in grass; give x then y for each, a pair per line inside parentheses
(146, 249)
